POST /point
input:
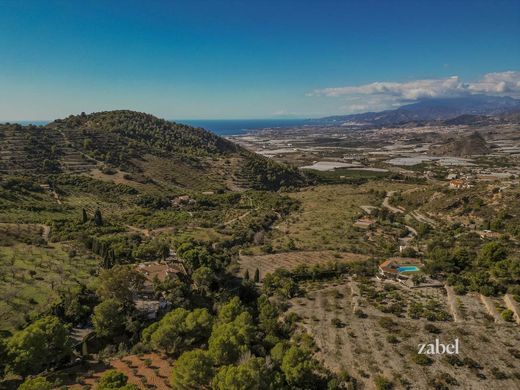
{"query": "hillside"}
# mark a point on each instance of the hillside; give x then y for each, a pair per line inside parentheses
(138, 147)
(470, 145)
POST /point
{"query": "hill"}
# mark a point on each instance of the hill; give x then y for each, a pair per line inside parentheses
(430, 110)
(138, 147)
(470, 145)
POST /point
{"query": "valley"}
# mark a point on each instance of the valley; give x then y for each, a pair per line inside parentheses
(288, 236)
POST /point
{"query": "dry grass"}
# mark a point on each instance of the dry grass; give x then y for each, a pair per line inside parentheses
(290, 260)
(365, 348)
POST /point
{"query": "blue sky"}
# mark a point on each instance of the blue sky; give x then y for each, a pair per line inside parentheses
(250, 59)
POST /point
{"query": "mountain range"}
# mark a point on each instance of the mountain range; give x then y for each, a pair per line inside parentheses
(428, 110)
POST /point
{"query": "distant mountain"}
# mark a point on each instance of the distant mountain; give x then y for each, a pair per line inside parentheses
(141, 148)
(429, 110)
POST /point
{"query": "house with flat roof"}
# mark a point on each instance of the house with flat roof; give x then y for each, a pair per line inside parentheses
(399, 267)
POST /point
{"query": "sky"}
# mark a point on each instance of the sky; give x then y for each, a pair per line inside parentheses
(202, 59)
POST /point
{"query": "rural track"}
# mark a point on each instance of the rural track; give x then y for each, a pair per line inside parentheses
(46, 230)
(239, 218)
(386, 203)
(422, 218)
(512, 305)
(491, 309)
(452, 304)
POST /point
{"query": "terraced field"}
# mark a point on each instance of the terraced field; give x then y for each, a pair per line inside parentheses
(148, 371)
(31, 278)
(290, 260)
(382, 344)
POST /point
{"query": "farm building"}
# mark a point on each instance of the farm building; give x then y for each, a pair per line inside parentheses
(146, 300)
(155, 271)
(364, 223)
(459, 184)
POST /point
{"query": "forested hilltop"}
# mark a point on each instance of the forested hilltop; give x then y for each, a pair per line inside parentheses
(139, 144)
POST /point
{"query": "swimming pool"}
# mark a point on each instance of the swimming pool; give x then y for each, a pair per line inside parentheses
(410, 268)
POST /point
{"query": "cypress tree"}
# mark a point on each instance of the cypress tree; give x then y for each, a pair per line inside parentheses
(257, 276)
(84, 216)
(246, 275)
(98, 219)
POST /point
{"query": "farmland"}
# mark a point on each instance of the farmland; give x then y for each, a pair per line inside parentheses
(290, 260)
(33, 276)
(147, 371)
(326, 220)
(352, 334)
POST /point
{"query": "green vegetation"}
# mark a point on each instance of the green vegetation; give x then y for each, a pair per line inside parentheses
(115, 380)
(37, 383)
(121, 234)
(41, 345)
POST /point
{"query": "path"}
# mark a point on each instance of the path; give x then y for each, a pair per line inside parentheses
(239, 218)
(386, 203)
(491, 308)
(368, 209)
(354, 291)
(422, 218)
(144, 232)
(56, 196)
(46, 230)
(149, 232)
(411, 230)
(53, 192)
(512, 305)
(452, 304)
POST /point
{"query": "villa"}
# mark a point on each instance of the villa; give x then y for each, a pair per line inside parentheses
(459, 184)
(395, 267)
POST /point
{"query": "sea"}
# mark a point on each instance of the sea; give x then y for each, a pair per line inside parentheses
(224, 127)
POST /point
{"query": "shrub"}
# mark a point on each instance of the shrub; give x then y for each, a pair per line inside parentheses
(337, 323)
(422, 360)
(387, 323)
(498, 374)
(507, 315)
(38, 383)
(383, 383)
(454, 360)
(432, 329)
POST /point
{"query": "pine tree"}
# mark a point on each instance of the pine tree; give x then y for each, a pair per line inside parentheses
(84, 216)
(257, 276)
(98, 219)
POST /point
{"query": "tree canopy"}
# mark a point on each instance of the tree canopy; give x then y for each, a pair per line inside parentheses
(41, 344)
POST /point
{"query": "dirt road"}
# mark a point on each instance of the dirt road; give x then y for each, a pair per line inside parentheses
(452, 304)
(386, 203)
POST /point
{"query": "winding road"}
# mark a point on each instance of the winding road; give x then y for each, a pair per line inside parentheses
(386, 203)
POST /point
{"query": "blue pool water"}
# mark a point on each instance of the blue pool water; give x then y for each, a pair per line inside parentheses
(411, 268)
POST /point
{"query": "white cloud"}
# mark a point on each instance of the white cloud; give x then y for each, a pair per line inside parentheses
(381, 95)
(501, 83)
(411, 90)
